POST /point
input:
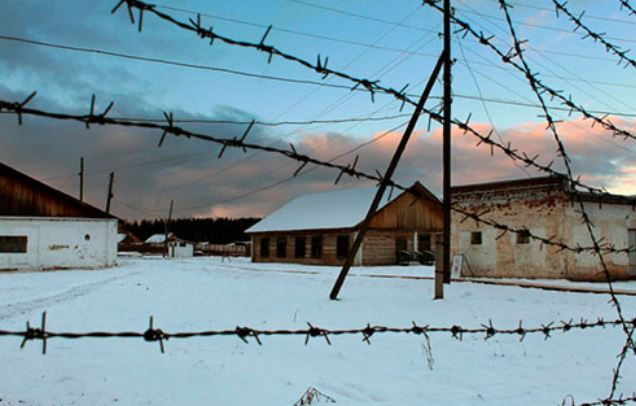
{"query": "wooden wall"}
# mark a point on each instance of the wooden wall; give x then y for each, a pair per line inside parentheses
(409, 213)
(328, 247)
(21, 195)
(402, 218)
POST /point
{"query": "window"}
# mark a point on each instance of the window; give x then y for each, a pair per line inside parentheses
(400, 244)
(342, 246)
(316, 246)
(523, 237)
(299, 247)
(13, 244)
(281, 247)
(264, 247)
(424, 242)
(182, 244)
(475, 238)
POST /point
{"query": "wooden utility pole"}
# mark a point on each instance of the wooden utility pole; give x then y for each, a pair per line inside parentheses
(386, 179)
(81, 176)
(166, 230)
(447, 143)
(110, 191)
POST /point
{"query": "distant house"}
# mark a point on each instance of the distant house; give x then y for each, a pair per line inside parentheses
(177, 247)
(319, 228)
(545, 206)
(44, 228)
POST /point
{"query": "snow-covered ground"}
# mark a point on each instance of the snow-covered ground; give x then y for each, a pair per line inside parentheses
(205, 293)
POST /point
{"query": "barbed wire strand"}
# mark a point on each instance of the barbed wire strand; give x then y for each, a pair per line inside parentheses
(625, 5)
(551, 124)
(20, 109)
(506, 57)
(370, 85)
(623, 58)
(154, 334)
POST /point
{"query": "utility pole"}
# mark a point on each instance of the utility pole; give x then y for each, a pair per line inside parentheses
(110, 192)
(166, 230)
(386, 179)
(447, 141)
(81, 176)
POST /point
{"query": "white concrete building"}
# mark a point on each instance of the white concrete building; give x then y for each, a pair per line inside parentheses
(40, 243)
(44, 228)
(180, 249)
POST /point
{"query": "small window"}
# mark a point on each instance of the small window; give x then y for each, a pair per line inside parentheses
(281, 247)
(182, 244)
(342, 246)
(424, 242)
(316, 246)
(475, 238)
(523, 237)
(299, 247)
(400, 244)
(13, 244)
(264, 247)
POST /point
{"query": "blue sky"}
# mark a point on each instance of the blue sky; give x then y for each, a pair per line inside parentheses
(394, 41)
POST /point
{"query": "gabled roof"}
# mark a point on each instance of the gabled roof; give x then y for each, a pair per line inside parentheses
(329, 210)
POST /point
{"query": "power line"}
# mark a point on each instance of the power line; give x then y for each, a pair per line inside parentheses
(275, 78)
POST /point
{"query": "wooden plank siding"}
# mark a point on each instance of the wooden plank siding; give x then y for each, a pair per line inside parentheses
(21, 195)
(406, 217)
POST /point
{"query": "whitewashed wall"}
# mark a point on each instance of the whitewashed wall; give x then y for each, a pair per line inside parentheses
(178, 251)
(612, 223)
(57, 243)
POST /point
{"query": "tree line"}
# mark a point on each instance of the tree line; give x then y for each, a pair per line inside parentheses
(214, 230)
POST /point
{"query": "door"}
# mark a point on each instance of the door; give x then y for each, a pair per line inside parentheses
(632, 253)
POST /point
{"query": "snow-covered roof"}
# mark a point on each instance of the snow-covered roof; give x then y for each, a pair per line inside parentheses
(158, 238)
(324, 210)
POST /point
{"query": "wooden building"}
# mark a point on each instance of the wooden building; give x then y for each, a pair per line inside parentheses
(44, 228)
(320, 228)
(544, 207)
(22, 195)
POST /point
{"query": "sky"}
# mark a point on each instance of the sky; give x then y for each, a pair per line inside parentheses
(394, 41)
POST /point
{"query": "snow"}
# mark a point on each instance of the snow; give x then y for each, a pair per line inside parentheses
(206, 293)
(157, 238)
(323, 210)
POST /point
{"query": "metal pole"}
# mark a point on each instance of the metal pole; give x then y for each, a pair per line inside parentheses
(110, 192)
(447, 141)
(81, 175)
(385, 181)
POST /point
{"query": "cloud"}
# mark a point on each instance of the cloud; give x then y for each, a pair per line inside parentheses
(188, 171)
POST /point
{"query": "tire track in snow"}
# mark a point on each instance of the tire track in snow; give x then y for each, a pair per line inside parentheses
(27, 306)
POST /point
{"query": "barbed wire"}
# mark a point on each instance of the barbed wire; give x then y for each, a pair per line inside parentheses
(506, 57)
(621, 400)
(519, 53)
(597, 37)
(625, 4)
(616, 376)
(20, 109)
(153, 334)
(370, 85)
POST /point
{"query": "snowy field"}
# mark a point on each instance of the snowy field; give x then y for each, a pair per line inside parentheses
(205, 293)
